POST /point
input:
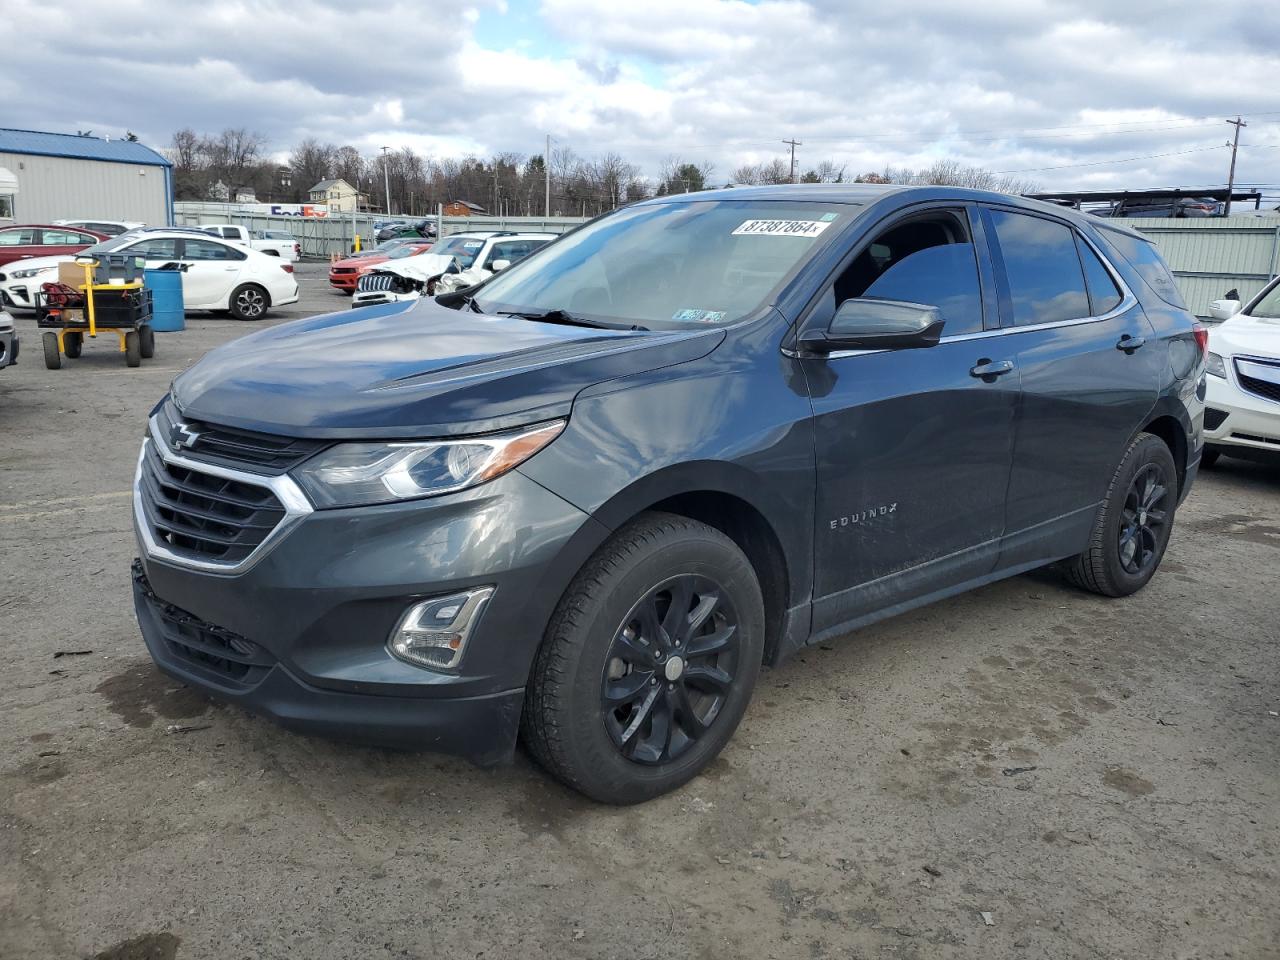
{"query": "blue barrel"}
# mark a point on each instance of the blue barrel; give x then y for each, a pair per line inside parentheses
(166, 299)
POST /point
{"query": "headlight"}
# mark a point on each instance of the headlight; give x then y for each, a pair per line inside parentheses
(351, 474)
(23, 274)
(1215, 367)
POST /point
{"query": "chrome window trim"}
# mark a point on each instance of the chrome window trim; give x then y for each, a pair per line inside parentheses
(296, 508)
(1127, 302)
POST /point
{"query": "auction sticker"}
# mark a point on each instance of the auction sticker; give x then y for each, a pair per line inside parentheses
(698, 316)
(781, 228)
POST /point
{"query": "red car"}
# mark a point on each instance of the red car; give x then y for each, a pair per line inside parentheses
(344, 274)
(44, 240)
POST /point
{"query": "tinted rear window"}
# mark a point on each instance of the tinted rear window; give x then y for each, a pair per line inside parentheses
(1145, 258)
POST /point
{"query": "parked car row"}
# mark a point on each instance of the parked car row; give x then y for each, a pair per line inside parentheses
(218, 274)
(457, 261)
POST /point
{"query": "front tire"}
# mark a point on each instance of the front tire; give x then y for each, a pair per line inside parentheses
(648, 663)
(52, 358)
(1133, 525)
(248, 302)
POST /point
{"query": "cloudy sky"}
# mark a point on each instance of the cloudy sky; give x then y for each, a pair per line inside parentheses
(1055, 91)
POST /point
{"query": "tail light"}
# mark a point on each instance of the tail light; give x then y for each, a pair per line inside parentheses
(1201, 333)
(287, 267)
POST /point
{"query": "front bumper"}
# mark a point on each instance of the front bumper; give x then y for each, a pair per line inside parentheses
(1238, 419)
(344, 282)
(480, 728)
(8, 347)
(315, 610)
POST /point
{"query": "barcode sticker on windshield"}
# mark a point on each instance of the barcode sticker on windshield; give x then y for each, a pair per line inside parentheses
(781, 228)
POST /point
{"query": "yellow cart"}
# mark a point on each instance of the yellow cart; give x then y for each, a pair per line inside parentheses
(122, 309)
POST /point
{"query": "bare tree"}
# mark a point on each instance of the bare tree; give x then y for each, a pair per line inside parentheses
(310, 162)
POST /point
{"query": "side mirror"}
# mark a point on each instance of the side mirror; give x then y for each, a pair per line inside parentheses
(866, 323)
(1224, 309)
(499, 265)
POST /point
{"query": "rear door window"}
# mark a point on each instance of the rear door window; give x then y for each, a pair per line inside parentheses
(208, 250)
(1046, 283)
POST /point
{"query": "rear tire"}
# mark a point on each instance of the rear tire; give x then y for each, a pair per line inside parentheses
(1133, 524)
(132, 349)
(147, 342)
(52, 358)
(248, 302)
(72, 344)
(648, 662)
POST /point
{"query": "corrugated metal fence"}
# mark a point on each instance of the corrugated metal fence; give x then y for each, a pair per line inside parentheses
(321, 237)
(1216, 254)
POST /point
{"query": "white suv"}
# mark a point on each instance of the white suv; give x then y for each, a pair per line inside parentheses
(456, 261)
(1242, 412)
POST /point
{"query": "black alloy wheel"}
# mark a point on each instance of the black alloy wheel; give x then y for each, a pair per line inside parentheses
(1143, 519)
(669, 669)
(1133, 523)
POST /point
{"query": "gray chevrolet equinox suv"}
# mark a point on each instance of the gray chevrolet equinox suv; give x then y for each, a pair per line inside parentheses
(583, 503)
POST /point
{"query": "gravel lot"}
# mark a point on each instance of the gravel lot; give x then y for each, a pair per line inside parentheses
(1101, 777)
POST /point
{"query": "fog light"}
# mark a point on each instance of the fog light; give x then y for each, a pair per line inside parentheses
(434, 633)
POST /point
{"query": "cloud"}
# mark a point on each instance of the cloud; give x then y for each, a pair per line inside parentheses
(1005, 84)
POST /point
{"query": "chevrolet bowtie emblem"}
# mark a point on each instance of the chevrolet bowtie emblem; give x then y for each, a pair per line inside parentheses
(182, 437)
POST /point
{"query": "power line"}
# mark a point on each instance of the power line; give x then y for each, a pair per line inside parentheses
(1099, 163)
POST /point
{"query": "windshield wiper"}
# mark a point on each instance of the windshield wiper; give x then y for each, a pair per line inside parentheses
(570, 319)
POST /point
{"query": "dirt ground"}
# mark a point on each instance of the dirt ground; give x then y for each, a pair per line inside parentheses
(1023, 772)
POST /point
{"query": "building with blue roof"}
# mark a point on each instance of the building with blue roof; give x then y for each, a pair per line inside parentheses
(61, 176)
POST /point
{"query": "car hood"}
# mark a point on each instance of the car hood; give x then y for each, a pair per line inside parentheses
(416, 370)
(1256, 336)
(361, 260)
(422, 267)
(34, 263)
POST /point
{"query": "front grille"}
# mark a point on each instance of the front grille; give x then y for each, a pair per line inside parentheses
(203, 644)
(259, 452)
(377, 281)
(1213, 418)
(342, 271)
(1268, 389)
(204, 517)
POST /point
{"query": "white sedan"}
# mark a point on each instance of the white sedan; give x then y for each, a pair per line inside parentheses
(217, 274)
(1242, 416)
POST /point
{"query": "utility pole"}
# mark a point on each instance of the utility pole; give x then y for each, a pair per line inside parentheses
(794, 144)
(386, 178)
(1231, 177)
(546, 169)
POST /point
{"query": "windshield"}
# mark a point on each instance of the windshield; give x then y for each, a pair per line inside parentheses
(110, 246)
(1268, 304)
(406, 250)
(670, 264)
(463, 249)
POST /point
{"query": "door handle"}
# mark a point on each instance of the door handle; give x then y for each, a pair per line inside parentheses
(988, 370)
(1129, 344)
